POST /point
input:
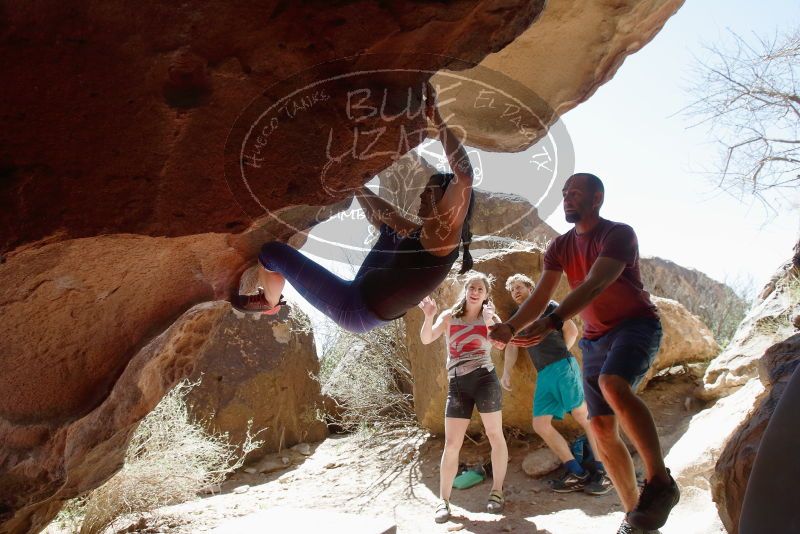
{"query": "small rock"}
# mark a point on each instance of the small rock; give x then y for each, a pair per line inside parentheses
(285, 479)
(251, 470)
(454, 528)
(241, 489)
(211, 489)
(540, 462)
(302, 448)
(270, 465)
(332, 465)
(285, 460)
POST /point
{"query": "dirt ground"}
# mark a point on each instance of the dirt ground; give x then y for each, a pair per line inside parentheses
(397, 478)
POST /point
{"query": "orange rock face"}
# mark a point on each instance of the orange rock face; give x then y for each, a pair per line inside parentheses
(116, 117)
(573, 49)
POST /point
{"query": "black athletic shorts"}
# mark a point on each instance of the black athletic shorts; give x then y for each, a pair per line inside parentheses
(479, 388)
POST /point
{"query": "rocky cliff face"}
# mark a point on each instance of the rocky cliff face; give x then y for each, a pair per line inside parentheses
(117, 117)
(732, 470)
(714, 302)
(131, 124)
(765, 352)
(770, 320)
(54, 448)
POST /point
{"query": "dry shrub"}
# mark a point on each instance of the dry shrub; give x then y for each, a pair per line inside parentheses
(369, 378)
(170, 459)
(780, 326)
(792, 285)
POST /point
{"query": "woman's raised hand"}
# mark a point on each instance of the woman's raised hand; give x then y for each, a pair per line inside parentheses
(428, 306)
(488, 312)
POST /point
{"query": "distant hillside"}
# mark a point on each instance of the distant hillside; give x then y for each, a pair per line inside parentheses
(714, 302)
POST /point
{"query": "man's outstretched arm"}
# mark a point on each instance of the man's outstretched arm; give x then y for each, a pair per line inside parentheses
(529, 311)
(602, 274)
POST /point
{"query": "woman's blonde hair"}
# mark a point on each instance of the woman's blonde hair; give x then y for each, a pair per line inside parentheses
(488, 280)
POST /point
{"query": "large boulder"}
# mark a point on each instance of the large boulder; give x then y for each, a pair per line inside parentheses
(545, 61)
(695, 452)
(686, 339)
(765, 351)
(65, 436)
(256, 376)
(714, 456)
(510, 216)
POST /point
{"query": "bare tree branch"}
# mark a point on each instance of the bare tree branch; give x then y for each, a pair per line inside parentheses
(748, 95)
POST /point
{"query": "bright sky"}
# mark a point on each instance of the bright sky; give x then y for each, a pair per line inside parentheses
(631, 134)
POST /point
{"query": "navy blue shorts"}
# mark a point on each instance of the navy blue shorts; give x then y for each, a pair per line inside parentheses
(627, 351)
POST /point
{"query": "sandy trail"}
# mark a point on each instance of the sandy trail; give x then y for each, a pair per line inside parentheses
(397, 478)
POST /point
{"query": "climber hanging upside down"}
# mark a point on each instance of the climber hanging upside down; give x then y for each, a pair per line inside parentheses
(406, 264)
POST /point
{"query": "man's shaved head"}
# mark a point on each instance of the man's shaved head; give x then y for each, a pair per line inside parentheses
(583, 195)
(594, 183)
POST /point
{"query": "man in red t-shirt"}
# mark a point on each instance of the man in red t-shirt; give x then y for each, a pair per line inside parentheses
(622, 333)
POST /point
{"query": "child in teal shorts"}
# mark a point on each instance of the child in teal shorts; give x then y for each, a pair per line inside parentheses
(559, 390)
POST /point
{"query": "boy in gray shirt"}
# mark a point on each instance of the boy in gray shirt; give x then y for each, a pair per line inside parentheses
(559, 390)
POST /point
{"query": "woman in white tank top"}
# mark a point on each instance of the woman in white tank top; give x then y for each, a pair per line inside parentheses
(472, 381)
